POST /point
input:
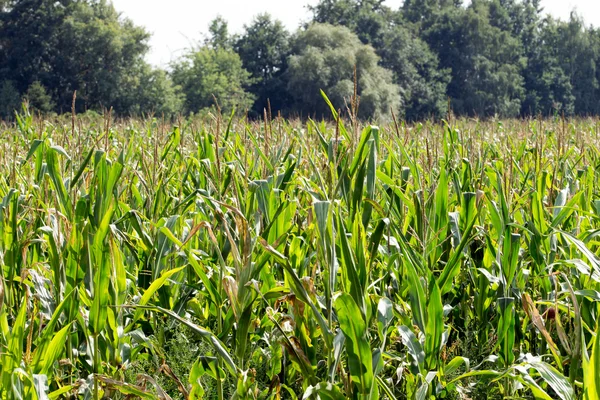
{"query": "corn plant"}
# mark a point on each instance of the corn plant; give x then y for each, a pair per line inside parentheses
(221, 258)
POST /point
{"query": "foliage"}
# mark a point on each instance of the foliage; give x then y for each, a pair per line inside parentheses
(325, 57)
(549, 88)
(416, 69)
(212, 73)
(369, 19)
(218, 34)
(68, 46)
(578, 54)
(219, 258)
(417, 72)
(480, 58)
(149, 90)
(485, 61)
(264, 49)
(38, 98)
(9, 99)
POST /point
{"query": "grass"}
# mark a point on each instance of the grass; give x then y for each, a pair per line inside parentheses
(222, 258)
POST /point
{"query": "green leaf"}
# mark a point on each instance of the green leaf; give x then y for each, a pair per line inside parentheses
(557, 381)
(416, 293)
(385, 315)
(456, 362)
(591, 368)
(353, 272)
(126, 388)
(325, 391)
(435, 326)
(414, 347)
(452, 268)
(54, 350)
(57, 180)
(354, 327)
(157, 284)
(11, 358)
(299, 290)
(204, 333)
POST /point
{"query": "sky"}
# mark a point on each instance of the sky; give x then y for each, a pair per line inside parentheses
(176, 24)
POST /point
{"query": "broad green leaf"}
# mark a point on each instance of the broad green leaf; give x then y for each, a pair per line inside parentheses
(54, 350)
(157, 284)
(357, 343)
(435, 326)
(557, 381)
(591, 368)
(418, 300)
(414, 347)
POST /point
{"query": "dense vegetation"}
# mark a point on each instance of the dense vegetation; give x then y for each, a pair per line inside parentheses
(488, 58)
(199, 252)
(225, 258)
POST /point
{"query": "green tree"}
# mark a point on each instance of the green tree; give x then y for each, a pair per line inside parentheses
(486, 61)
(264, 48)
(417, 72)
(579, 54)
(415, 68)
(210, 73)
(69, 45)
(38, 98)
(548, 85)
(28, 41)
(494, 83)
(324, 57)
(218, 34)
(426, 12)
(369, 19)
(96, 52)
(149, 90)
(544, 44)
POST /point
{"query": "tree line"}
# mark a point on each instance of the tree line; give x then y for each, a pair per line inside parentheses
(502, 58)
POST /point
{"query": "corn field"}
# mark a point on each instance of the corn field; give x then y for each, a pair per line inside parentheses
(221, 258)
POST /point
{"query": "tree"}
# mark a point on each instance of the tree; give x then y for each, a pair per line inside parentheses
(548, 85)
(486, 61)
(369, 19)
(96, 52)
(264, 48)
(38, 98)
(494, 84)
(149, 90)
(210, 73)
(218, 36)
(324, 58)
(69, 45)
(28, 41)
(426, 12)
(579, 55)
(417, 72)
(415, 68)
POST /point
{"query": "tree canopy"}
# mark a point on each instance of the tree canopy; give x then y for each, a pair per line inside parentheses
(69, 45)
(212, 74)
(264, 48)
(325, 58)
(484, 58)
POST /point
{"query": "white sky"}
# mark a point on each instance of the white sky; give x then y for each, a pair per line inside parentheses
(175, 24)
